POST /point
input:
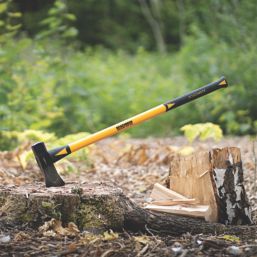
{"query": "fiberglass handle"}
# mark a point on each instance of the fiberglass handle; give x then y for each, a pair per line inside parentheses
(60, 152)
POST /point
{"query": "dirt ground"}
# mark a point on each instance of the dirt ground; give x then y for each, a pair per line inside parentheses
(133, 165)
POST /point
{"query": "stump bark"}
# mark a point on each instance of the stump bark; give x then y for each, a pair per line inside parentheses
(97, 207)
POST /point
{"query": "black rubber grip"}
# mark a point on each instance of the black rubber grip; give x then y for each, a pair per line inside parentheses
(221, 83)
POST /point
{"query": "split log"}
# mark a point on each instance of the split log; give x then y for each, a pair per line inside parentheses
(97, 207)
(163, 199)
(213, 178)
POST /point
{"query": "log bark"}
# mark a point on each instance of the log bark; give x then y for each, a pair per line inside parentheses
(97, 207)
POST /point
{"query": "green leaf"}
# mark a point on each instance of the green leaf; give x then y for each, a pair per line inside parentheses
(60, 5)
(3, 7)
(14, 14)
(70, 16)
(13, 27)
(71, 32)
(191, 132)
(211, 130)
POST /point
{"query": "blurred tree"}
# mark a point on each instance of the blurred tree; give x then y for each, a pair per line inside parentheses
(113, 23)
(152, 14)
(125, 24)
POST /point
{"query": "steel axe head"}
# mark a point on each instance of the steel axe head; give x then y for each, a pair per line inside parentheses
(46, 165)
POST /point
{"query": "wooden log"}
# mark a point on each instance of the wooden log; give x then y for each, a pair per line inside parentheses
(96, 207)
(213, 178)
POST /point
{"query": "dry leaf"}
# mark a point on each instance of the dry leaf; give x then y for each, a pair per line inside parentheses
(110, 235)
(72, 247)
(21, 236)
(49, 233)
(54, 227)
(142, 239)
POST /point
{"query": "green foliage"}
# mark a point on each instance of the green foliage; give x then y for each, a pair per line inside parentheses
(87, 91)
(202, 131)
(203, 58)
(10, 20)
(8, 140)
(80, 155)
(12, 139)
(59, 23)
(48, 84)
(27, 86)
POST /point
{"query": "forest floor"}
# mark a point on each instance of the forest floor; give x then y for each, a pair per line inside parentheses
(133, 165)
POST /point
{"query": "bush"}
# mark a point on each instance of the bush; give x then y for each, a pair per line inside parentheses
(45, 85)
(204, 59)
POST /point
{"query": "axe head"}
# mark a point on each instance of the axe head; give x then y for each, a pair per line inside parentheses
(46, 165)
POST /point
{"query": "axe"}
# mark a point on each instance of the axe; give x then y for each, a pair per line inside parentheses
(46, 159)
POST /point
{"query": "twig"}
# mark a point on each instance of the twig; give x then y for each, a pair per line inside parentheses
(151, 233)
(108, 252)
(143, 250)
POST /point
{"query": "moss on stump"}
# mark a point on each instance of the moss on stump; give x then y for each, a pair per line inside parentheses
(92, 207)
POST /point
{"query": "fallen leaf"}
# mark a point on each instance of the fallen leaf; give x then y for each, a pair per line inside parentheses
(54, 227)
(73, 229)
(72, 247)
(142, 239)
(231, 238)
(21, 236)
(110, 235)
(49, 233)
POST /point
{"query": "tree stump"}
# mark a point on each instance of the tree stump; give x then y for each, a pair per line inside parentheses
(91, 207)
(214, 178)
(97, 207)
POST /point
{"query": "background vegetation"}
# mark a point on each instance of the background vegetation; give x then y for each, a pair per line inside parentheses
(71, 66)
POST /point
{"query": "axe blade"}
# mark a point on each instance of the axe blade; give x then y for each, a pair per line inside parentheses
(46, 165)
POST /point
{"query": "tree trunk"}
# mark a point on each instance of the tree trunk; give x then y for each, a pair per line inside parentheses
(155, 25)
(96, 207)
